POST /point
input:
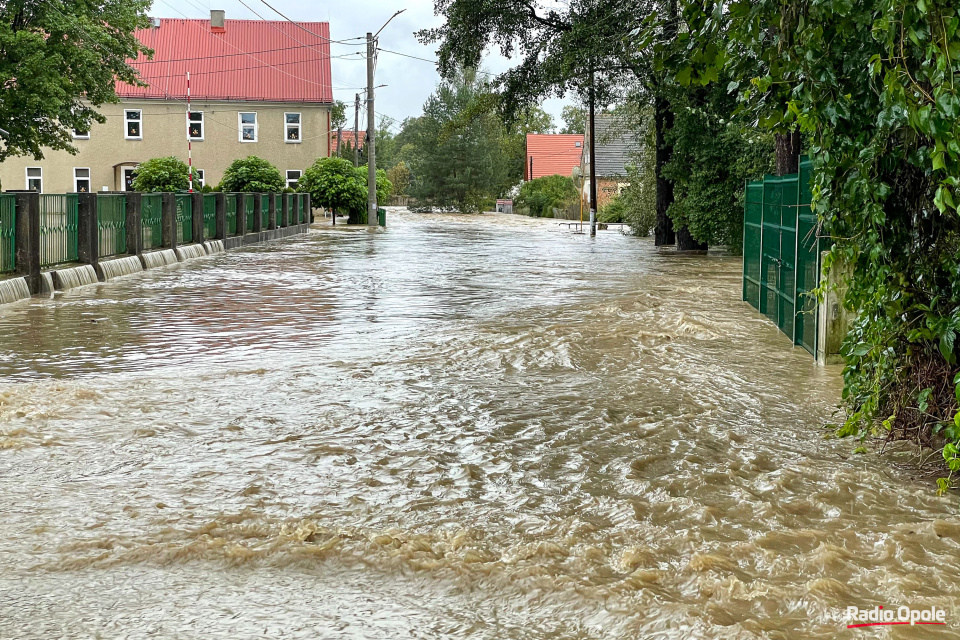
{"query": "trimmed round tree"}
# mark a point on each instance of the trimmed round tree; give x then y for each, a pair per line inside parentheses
(252, 175)
(335, 184)
(163, 174)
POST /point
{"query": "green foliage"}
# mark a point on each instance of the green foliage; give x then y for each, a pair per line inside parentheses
(163, 174)
(713, 155)
(252, 175)
(613, 211)
(399, 176)
(874, 87)
(456, 154)
(542, 195)
(335, 184)
(574, 119)
(59, 63)
(338, 115)
(384, 186)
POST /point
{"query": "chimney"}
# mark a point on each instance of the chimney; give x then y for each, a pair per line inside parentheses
(216, 20)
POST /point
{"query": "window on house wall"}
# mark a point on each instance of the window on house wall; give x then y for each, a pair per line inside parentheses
(291, 127)
(81, 179)
(133, 124)
(248, 126)
(195, 125)
(293, 178)
(81, 135)
(35, 179)
(198, 177)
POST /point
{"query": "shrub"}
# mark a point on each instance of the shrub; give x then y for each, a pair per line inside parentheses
(252, 175)
(613, 211)
(163, 174)
(542, 195)
(335, 184)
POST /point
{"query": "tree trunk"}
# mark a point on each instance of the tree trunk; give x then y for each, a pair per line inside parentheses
(663, 120)
(685, 242)
(788, 152)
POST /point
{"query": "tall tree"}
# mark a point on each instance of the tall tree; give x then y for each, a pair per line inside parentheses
(574, 118)
(58, 63)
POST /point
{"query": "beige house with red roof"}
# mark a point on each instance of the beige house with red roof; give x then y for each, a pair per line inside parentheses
(257, 88)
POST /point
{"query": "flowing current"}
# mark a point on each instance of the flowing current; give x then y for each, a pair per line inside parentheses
(457, 427)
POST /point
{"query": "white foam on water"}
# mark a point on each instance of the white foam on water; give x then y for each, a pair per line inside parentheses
(13, 289)
(73, 277)
(215, 246)
(154, 259)
(120, 267)
(189, 251)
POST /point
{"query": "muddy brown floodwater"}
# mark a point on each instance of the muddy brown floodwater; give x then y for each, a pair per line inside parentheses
(459, 427)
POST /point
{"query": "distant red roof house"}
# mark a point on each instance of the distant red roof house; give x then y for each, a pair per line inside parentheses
(348, 136)
(249, 60)
(552, 154)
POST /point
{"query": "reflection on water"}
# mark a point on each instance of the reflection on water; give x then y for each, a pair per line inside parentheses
(478, 427)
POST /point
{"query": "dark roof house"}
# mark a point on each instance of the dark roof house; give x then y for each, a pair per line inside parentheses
(616, 147)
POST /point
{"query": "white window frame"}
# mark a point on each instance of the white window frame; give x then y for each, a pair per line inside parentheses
(288, 125)
(287, 176)
(26, 175)
(126, 121)
(241, 125)
(89, 179)
(81, 136)
(203, 126)
(198, 177)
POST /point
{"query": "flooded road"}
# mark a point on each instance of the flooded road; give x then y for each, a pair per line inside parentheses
(459, 427)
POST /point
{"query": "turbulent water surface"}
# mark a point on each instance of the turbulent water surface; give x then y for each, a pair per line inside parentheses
(459, 427)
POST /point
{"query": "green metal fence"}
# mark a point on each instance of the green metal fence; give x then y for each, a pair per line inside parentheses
(301, 214)
(265, 199)
(781, 253)
(248, 208)
(58, 229)
(231, 200)
(151, 230)
(209, 216)
(112, 224)
(8, 233)
(288, 201)
(184, 218)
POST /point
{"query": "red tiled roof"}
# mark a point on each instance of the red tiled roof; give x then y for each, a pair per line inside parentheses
(348, 136)
(552, 154)
(255, 60)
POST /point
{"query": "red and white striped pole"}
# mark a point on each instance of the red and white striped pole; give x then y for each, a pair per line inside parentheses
(189, 143)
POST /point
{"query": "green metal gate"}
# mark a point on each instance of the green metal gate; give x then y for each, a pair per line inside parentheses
(231, 199)
(8, 233)
(151, 231)
(112, 224)
(184, 203)
(781, 253)
(209, 216)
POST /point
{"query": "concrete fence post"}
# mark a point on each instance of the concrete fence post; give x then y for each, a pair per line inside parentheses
(134, 223)
(241, 214)
(257, 215)
(27, 249)
(272, 216)
(196, 204)
(88, 230)
(221, 208)
(168, 220)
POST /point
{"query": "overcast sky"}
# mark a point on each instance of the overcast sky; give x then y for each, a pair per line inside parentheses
(409, 81)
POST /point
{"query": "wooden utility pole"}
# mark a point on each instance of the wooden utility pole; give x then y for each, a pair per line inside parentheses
(371, 146)
(593, 160)
(356, 132)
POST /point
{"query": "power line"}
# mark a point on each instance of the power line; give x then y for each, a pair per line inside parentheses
(301, 27)
(245, 53)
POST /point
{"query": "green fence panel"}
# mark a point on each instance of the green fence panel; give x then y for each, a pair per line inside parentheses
(151, 230)
(808, 263)
(8, 233)
(209, 216)
(265, 209)
(248, 208)
(112, 224)
(301, 209)
(288, 200)
(184, 218)
(231, 200)
(781, 253)
(58, 228)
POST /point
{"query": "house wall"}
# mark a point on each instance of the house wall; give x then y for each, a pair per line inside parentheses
(164, 134)
(608, 189)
